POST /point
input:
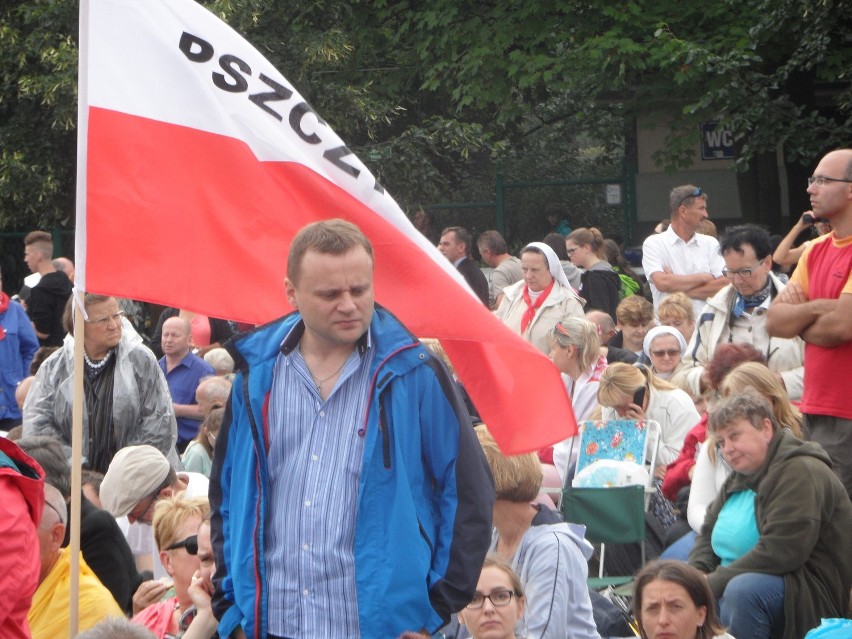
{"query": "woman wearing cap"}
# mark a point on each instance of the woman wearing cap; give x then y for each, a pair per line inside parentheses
(127, 398)
(532, 306)
(664, 346)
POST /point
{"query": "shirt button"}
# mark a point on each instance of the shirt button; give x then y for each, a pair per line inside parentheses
(307, 502)
(305, 592)
(314, 458)
(304, 546)
(322, 413)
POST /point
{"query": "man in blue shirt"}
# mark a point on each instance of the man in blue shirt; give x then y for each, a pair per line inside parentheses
(184, 371)
(349, 495)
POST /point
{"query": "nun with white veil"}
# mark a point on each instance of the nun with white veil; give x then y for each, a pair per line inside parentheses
(533, 306)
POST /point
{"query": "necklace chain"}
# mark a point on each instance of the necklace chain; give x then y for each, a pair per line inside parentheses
(319, 382)
(99, 364)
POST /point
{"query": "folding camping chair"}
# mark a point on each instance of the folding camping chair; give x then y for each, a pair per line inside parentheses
(612, 514)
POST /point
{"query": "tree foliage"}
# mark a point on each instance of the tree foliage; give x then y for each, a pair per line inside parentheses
(433, 95)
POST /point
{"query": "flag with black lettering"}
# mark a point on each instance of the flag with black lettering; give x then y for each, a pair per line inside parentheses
(199, 161)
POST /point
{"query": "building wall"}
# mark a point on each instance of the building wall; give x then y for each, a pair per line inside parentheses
(653, 183)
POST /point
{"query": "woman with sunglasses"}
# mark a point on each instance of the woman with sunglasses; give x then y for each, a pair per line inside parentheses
(665, 346)
(176, 521)
(498, 604)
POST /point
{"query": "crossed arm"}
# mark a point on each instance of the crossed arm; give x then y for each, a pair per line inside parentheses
(822, 322)
(696, 285)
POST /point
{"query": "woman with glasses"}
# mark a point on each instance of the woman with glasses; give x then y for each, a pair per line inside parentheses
(176, 522)
(665, 346)
(127, 400)
(600, 285)
(498, 604)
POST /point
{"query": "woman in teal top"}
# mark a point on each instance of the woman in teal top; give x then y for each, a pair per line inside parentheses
(800, 568)
(198, 456)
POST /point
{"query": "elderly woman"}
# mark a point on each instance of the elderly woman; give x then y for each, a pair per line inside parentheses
(600, 284)
(498, 604)
(176, 522)
(673, 601)
(550, 558)
(664, 346)
(775, 543)
(532, 306)
(127, 399)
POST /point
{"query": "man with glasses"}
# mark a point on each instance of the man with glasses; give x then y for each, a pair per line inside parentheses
(817, 305)
(680, 258)
(737, 313)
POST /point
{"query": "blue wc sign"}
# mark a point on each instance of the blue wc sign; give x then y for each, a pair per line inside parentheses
(717, 143)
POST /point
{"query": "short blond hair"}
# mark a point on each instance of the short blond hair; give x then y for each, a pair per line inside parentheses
(517, 478)
(676, 307)
(170, 512)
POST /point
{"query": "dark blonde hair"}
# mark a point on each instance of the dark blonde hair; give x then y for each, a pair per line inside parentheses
(692, 581)
(581, 333)
(517, 478)
(593, 237)
(494, 561)
(676, 306)
(211, 424)
(747, 404)
(758, 377)
(334, 237)
(634, 310)
(625, 379)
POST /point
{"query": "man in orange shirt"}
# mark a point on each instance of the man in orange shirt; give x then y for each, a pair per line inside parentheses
(817, 305)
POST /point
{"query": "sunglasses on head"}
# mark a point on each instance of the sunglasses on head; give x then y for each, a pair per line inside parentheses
(190, 543)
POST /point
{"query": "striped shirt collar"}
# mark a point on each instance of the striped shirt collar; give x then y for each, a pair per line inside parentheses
(294, 336)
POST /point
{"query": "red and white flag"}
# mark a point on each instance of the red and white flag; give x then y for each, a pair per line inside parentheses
(198, 163)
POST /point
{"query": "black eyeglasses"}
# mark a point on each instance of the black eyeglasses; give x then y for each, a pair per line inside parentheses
(570, 251)
(743, 272)
(498, 599)
(820, 180)
(190, 543)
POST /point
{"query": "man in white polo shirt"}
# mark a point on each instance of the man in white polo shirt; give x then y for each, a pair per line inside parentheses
(680, 259)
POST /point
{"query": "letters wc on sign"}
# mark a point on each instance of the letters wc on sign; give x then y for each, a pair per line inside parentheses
(717, 143)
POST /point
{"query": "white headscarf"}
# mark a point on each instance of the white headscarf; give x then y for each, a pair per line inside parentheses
(655, 332)
(553, 264)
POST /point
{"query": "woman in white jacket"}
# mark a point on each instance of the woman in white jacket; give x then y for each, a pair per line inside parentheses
(532, 306)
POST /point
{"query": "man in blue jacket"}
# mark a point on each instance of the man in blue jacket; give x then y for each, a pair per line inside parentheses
(350, 496)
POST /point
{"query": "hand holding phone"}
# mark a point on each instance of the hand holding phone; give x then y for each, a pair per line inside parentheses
(639, 398)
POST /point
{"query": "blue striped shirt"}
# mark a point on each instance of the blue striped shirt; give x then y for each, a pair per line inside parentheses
(314, 460)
